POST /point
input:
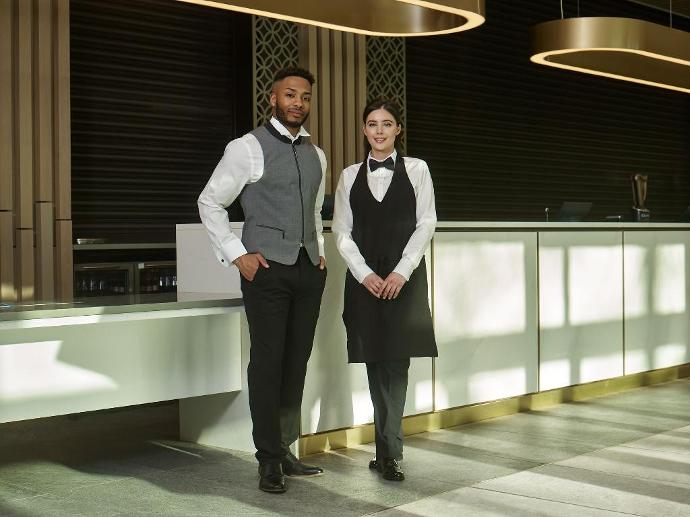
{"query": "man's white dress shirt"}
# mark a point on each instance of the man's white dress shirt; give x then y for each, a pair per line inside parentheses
(379, 181)
(241, 164)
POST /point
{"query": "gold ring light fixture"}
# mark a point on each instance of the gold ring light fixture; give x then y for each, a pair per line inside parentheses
(619, 48)
(370, 17)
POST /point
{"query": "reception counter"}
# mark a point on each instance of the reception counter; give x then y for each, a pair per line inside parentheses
(518, 308)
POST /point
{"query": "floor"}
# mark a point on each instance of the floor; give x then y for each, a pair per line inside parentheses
(625, 454)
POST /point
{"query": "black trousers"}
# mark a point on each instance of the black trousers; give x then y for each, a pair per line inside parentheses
(282, 305)
(388, 389)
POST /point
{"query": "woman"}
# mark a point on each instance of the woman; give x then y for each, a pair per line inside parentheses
(383, 222)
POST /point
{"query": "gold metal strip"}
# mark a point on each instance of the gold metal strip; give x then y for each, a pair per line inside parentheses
(369, 17)
(619, 48)
(349, 437)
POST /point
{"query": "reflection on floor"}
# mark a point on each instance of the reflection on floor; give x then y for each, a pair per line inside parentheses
(623, 454)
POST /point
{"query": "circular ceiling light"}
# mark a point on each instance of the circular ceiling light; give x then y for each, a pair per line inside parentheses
(620, 48)
(369, 17)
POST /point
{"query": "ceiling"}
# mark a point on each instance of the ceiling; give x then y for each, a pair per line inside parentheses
(680, 7)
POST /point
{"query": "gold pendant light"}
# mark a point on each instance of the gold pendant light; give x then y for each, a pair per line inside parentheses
(370, 17)
(620, 48)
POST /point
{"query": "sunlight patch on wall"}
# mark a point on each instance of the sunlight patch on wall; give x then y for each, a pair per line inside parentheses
(362, 409)
(490, 300)
(33, 371)
(595, 284)
(551, 287)
(636, 281)
(600, 367)
(497, 384)
(669, 279)
(554, 374)
(315, 414)
(636, 361)
(423, 396)
(670, 354)
(441, 396)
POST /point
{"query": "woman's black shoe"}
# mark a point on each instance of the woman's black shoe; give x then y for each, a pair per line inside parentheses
(392, 471)
(375, 465)
(271, 478)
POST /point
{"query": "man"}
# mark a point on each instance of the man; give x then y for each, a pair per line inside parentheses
(279, 179)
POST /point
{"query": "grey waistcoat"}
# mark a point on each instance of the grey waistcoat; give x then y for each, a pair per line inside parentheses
(279, 208)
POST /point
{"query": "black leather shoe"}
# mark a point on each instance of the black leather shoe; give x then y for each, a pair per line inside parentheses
(271, 478)
(392, 471)
(294, 467)
(375, 465)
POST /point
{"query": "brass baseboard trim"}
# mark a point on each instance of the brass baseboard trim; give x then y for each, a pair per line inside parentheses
(349, 437)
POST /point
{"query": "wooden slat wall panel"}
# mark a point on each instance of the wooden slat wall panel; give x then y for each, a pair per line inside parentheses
(63, 260)
(45, 251)
(24, 180)
(34, 143)
(63, 141)
(349, 101)
(505, 138)
(323, 76)
(153, 105)
(7, 283)
(309, 60)
(24, 264)
(361, 82)
(6, 113)
(43, 99)
(337, 124)
(338, 61)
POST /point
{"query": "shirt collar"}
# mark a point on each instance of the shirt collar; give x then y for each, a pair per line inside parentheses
(393, 155)
(284, 131)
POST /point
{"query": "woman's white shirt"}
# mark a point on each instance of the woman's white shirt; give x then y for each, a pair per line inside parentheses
(379, 181)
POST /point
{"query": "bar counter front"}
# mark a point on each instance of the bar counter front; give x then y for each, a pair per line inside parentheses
(524, 313)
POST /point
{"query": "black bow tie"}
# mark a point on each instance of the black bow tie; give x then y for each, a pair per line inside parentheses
(388, 163)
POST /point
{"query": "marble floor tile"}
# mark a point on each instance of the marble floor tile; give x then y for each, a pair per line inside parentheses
(654, 465)
(600, 490)
(476, 502)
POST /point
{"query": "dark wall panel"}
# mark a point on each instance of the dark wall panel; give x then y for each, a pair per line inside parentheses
(158, 88)
(506, 138)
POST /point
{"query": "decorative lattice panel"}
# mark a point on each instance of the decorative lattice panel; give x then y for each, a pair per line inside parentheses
(386, 73)
(276, 45)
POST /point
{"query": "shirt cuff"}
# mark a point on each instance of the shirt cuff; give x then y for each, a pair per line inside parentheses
(230, 251)
(361, 273)
(404, 268)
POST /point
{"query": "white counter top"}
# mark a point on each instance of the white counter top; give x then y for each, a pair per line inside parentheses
(543, 225)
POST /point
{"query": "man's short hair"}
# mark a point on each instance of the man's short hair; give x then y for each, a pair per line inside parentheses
(294, 71)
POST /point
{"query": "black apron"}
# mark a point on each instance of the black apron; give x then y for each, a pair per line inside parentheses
(377, 329)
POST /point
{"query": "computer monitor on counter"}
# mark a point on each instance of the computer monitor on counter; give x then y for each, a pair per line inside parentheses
(573, 211)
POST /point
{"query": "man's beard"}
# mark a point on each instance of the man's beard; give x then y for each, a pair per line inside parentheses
(282, 118)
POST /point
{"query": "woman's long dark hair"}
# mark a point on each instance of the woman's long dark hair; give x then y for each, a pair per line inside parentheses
(391, 107)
